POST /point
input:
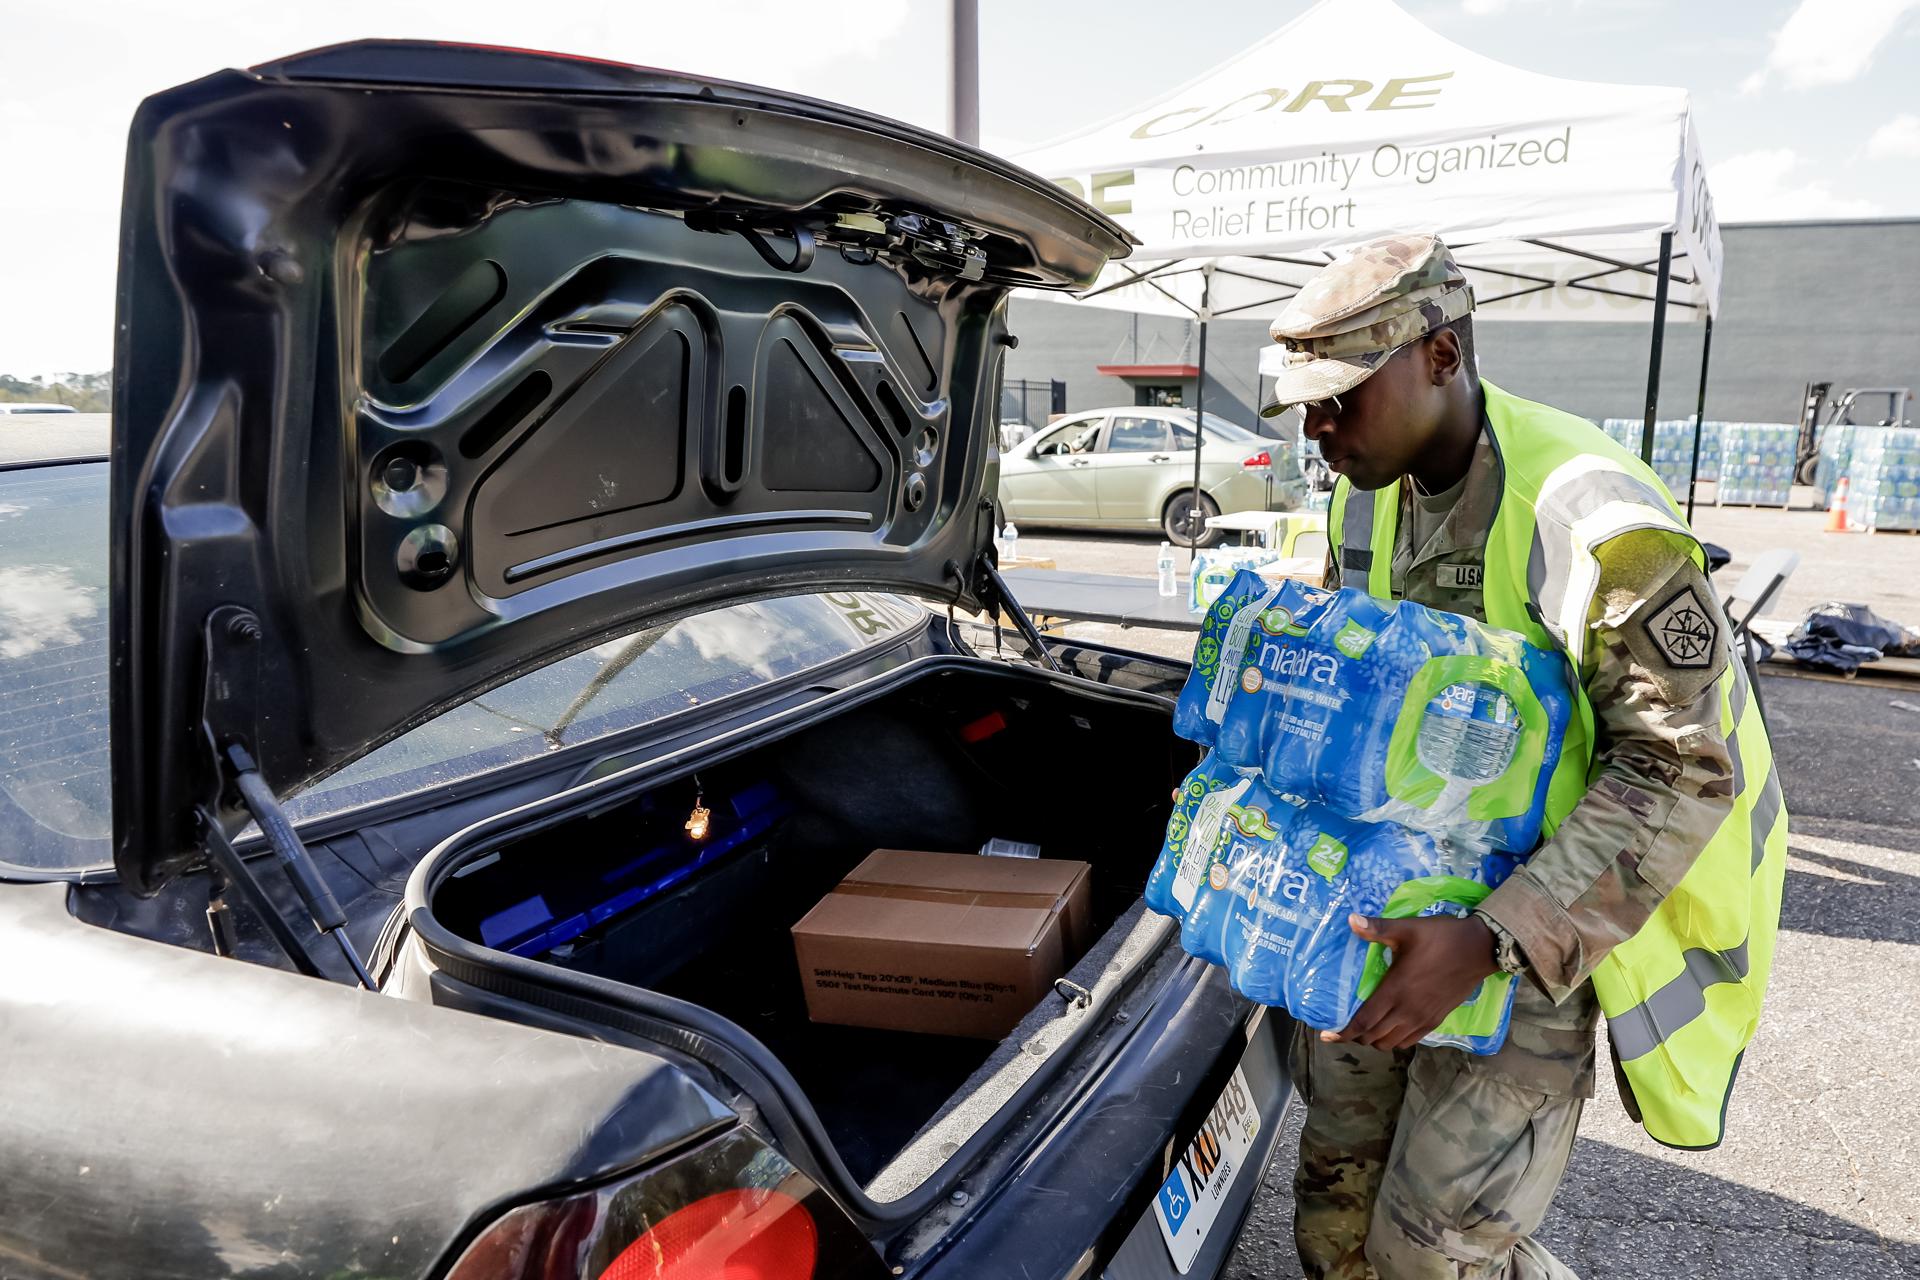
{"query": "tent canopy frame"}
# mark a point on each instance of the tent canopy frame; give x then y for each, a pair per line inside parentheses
(1662, 268)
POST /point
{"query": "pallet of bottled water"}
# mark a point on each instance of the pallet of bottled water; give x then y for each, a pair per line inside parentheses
(1884, 470)
(1365, 756)
(1672, 447)
(1834, 451)
(1756, 464)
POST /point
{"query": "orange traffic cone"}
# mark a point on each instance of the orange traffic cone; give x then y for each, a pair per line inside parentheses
(1837, 511)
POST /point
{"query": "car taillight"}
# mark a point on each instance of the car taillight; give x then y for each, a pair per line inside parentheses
(1260, 459)
(732, 1209)
(732, 1235)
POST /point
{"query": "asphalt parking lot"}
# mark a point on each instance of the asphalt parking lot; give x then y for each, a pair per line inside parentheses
(1819, 1171)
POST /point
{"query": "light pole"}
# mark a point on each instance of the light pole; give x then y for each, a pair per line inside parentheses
(963, 80)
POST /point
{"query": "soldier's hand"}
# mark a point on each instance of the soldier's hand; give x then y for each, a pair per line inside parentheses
(1438, 961)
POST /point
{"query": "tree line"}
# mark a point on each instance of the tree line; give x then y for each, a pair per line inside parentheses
(85, 392)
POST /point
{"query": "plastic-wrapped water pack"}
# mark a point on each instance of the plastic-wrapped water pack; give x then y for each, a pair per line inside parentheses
(1287, 940)
(1393, 713)
(1194, 828)
(1197, 712)
(1263, 884)
(1368, 757)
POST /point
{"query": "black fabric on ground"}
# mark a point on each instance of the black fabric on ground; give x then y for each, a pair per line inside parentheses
(1842, 637)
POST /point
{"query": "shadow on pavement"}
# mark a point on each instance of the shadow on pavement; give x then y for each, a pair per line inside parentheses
(1857, 901)
(1621, 1213)
(1848, 752)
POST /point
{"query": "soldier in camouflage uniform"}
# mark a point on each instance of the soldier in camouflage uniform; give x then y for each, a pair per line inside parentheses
(1430, 1162)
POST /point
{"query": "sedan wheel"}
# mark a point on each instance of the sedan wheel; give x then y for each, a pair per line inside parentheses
(1179, 522)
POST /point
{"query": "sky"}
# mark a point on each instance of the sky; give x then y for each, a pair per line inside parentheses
(1804, 107)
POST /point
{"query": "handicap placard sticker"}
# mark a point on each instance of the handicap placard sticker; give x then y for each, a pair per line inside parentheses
(1195, 1189)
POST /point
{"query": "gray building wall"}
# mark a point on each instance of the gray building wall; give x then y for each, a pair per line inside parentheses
(1812, 300)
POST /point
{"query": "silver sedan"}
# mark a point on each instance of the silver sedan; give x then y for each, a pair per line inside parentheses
(1132, 468)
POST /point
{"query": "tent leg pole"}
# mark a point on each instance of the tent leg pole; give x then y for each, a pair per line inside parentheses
(1659, 340)
(1699, 416)
(1199, 420)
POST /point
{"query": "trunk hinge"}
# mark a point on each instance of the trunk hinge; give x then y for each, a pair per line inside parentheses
(1003, 602)
(232, 637)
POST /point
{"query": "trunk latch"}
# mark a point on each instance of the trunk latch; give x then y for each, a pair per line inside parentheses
(1076, 996)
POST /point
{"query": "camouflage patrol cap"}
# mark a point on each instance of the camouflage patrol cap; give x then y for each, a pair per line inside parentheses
(1360, 309)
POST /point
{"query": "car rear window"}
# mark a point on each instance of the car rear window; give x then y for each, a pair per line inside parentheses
(55, 799)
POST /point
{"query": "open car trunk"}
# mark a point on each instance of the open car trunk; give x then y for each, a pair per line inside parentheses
(961, 754)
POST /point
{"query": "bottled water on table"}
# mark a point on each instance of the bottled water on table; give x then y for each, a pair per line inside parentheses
(1168, 587)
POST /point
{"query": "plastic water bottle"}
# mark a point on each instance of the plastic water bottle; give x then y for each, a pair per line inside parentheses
(1010, 539)
(1165, 565)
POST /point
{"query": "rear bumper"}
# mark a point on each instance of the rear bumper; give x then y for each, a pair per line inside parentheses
(1256, 490)
(1082, 1202)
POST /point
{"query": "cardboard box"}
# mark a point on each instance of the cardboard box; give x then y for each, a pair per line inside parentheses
(949, 943)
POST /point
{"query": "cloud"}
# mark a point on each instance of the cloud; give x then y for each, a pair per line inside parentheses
(1827, 42)
(40, 607)
(1766, 186)
(1897, 139)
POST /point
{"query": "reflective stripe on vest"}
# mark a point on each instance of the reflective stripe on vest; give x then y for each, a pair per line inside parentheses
(1682, 996)
(1358, 516)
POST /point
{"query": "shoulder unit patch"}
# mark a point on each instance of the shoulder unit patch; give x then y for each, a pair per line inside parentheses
(1684, 630)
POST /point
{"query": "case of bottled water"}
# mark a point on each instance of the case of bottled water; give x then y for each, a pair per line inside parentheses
(1372, 757)
(1286, 938)
(1393, 712)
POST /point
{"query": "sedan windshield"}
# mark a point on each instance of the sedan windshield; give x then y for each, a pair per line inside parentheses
(55, 798)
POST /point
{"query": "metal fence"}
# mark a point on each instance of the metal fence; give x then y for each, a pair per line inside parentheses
(1032, 400)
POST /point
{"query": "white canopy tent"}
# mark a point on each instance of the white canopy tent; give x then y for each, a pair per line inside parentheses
(1562, 199)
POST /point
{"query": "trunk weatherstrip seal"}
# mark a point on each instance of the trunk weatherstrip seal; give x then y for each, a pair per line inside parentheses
(467, 960)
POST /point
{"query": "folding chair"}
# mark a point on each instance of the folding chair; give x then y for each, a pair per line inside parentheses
(1758, 586)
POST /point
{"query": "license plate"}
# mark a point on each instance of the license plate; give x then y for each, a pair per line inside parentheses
(1190, 1199)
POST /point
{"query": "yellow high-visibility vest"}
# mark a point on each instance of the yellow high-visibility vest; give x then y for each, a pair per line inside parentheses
(1682, 996)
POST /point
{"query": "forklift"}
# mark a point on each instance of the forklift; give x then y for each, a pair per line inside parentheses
(1856, 407)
